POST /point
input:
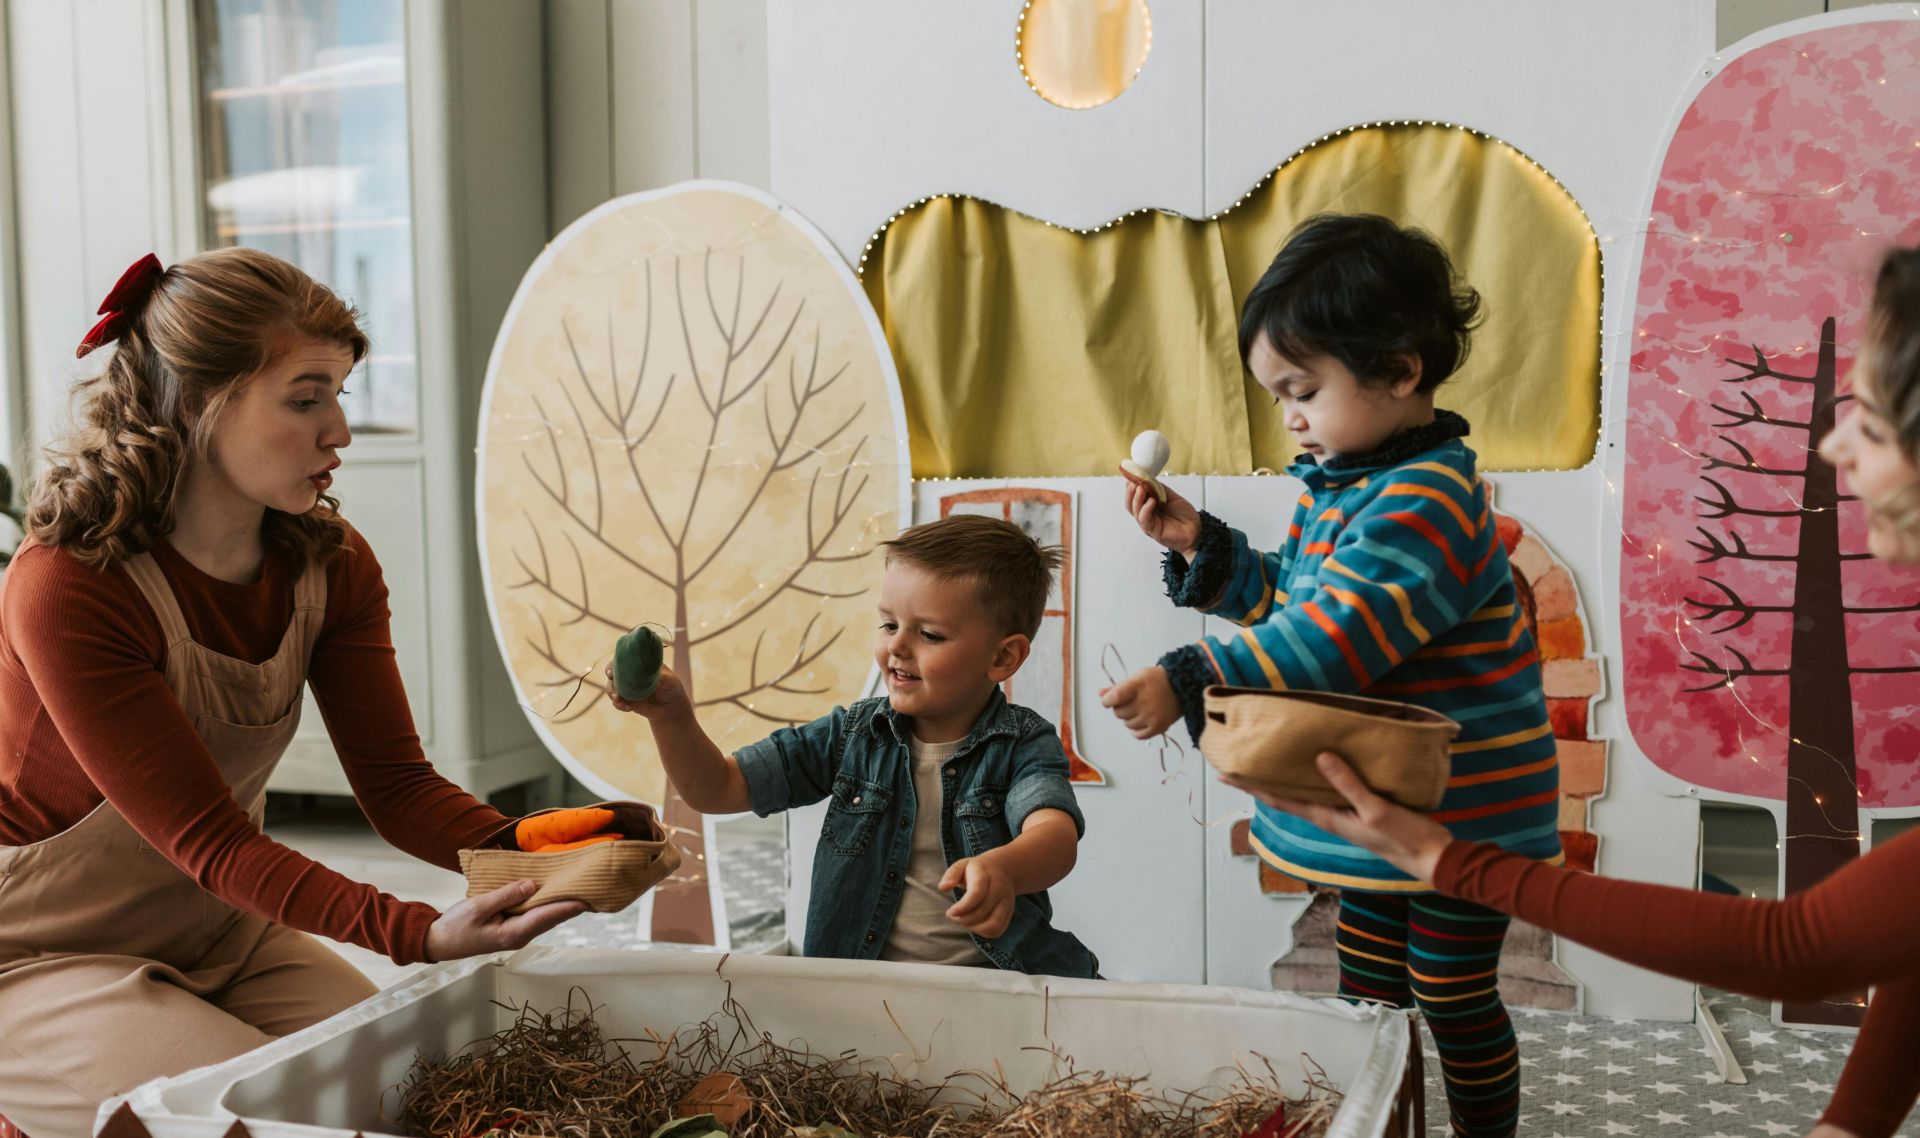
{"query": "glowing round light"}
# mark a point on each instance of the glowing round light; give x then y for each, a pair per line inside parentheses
(1079, 54)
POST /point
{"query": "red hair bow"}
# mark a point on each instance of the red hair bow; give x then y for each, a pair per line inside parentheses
(128, 294)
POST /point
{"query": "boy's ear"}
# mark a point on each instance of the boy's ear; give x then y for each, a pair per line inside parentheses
(1410, 369)
(1012, 653)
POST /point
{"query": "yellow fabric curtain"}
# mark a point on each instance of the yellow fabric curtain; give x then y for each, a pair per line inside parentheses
(1027, 350)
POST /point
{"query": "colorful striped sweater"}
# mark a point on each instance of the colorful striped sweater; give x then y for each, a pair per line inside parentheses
(1392, 583)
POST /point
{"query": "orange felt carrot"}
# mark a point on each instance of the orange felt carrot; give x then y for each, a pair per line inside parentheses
(560, 826)
(583, 843)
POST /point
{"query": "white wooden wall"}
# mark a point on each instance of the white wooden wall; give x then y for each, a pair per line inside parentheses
(90, 148)
(1739, 19)
(645, 93)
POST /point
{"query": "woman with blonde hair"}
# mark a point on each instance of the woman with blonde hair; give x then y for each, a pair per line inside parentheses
(1840, 936)
(185, 574)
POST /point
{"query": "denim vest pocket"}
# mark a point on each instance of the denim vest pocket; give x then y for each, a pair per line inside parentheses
(983, 819)
(853, 814)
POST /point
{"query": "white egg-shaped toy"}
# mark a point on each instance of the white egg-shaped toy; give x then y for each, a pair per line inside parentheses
(1151, 451)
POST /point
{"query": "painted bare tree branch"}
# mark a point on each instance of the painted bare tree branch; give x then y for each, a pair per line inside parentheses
(1733, 606)
(585, 507)
(732, 341)
(1726, 674)
(1723, 505)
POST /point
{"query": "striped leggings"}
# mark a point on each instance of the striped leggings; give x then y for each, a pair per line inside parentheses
(1443, 955)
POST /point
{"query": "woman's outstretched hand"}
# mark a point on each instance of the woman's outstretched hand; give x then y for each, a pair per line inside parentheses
(476, 925)
(1411, 842)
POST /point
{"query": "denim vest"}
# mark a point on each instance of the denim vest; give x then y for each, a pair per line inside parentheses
(1007, 767)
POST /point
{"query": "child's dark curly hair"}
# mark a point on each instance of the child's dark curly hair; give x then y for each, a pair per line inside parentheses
(1367, 292)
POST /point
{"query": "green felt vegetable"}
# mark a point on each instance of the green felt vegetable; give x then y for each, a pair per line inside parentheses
(636, 664)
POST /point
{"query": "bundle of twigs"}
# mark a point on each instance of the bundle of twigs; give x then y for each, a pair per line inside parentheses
(554, 1074)
(545, 1073)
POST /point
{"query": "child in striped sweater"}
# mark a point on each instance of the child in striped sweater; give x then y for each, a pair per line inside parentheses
(1393, 583)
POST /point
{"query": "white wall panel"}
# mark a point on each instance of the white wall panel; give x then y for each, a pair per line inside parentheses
(1585, 89)
(85, 171)
(1246, 930)
(877, 103)
(1646, 833)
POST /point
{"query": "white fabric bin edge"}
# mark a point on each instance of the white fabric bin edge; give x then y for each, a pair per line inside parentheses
(192, 1105)
(188, 1104)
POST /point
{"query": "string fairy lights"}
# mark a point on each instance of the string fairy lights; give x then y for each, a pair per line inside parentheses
(1071, 92)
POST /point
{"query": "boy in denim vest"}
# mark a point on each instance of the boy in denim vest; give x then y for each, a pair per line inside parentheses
(951, 812)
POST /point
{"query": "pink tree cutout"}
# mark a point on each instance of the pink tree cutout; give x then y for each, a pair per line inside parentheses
(1763, 648)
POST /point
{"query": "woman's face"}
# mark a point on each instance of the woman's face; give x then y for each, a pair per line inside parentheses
(1863, 447)
(274, 445)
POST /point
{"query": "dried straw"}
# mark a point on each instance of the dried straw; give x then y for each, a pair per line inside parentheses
(554, 1074)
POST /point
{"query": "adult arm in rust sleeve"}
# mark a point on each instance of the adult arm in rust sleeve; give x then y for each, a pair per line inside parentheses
(1839, 936)
(356, 680)
(1881, 1080)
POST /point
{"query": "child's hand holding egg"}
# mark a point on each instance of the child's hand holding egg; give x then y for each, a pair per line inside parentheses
(1161, 514)
(1150, 453)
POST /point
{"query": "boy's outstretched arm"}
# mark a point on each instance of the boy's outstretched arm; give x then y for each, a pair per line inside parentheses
(1042, 854)
(707, 780)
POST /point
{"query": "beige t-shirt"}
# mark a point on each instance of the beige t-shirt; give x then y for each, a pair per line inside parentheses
(921, 931)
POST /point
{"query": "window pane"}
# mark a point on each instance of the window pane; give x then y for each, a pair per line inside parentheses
(304, 155)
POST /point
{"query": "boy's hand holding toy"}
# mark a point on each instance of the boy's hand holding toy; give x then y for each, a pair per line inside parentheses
(638, 679)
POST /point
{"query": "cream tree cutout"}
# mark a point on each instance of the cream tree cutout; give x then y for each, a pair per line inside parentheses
(690, 424)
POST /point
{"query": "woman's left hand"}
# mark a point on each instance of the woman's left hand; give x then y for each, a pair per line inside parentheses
(1144, 702)
(1412, 842)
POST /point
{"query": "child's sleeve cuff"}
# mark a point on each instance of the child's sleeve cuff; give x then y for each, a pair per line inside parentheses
(768, 791)
(1043, 791)
(1200, 583)
(1190, 673)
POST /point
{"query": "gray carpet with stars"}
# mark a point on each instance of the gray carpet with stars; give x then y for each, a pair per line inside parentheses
(1584, 1077)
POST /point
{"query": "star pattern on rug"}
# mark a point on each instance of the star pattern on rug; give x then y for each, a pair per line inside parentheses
(1587, 1077)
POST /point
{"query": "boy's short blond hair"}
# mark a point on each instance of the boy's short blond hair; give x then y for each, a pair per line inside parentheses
(1012, 573)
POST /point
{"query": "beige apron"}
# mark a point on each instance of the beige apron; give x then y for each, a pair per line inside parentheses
(115, 967)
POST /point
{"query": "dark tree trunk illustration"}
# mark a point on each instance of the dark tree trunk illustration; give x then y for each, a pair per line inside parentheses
(1822, 791)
